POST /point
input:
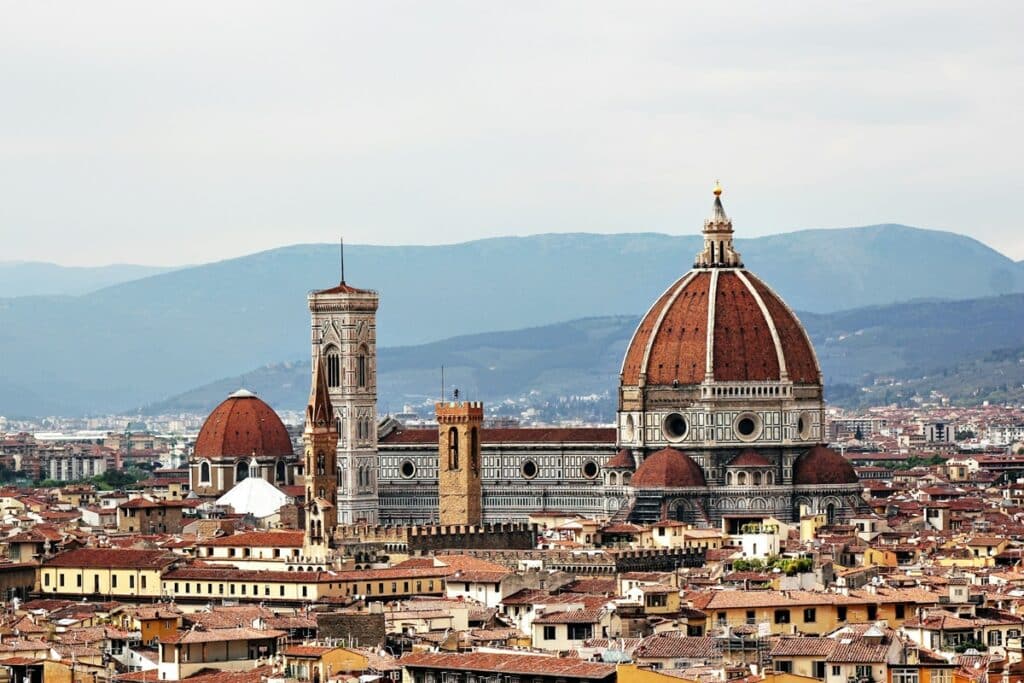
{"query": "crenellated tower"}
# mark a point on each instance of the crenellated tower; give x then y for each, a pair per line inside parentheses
(460, 494)
(344, 334)
(320, 439)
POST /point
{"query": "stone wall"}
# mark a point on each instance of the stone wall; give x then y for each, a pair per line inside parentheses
(365, 629)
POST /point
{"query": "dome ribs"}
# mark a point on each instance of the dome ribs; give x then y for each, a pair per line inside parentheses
(744, 349)
(638, 347)
(681, 339)
(242, 427)
(801, 363)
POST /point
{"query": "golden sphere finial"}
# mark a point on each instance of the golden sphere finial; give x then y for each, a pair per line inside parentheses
(718, 189)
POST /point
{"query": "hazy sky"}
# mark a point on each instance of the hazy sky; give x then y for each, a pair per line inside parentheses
(180, 132)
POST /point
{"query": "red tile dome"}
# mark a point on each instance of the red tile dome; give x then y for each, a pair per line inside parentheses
(823, 466)
(668, 468)
(753, 334)
(241, 426)
(749, 458)
(623, 460)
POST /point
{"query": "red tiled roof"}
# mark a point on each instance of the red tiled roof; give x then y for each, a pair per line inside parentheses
(622, 460)
(111, 558)
(242, 426)
(257, 539)
(668, 468)
(749, 458)
(221, 634)
(670, 344)
(822, 466)
(601, 435)
(507, 663)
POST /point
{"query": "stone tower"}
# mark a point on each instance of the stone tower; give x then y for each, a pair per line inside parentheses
(320, 439)
(459, 491)
(344, 333)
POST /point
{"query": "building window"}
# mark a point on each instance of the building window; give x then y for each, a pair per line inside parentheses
(204, 473)
(131, 582)
(782, 616)
(841, 615)
(361, 367)
(241, 471)
(995, 638)
(810, 615)
(474, 451)
(549, 633)
(819, 670)
(784, 666)
(113, 580)
(900, 675)
(872, 612)
(864, 673)
(901, 610)
(581, 631)
(941, 676)
(333, 367)
(453, 448)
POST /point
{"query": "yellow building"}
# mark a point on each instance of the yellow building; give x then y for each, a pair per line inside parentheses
(322, 662)
(788, 612)
(108, 572)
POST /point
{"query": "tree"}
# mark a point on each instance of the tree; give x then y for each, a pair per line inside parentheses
(859, 435)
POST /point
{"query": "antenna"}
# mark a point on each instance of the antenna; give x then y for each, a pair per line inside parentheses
(341, 256)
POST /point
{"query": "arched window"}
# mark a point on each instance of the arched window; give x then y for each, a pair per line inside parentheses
(241, 471)
(757, 478)
(321, 464)
(204, 472)
(361, 367)
(281, 472)
(613, 479)
(453, 448)
(333, 367)
(741, 479)
(337, 421)
(474, 450)
(728, 478)
(769, 478)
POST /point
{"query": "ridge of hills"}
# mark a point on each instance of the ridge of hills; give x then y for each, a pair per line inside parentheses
(969, 350)
(36, 278)
(136, 342)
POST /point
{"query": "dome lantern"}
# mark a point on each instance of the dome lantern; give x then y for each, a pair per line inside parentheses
(718, 248)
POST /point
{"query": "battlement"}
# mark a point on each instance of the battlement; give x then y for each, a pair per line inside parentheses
(454, 412)
(500, 535)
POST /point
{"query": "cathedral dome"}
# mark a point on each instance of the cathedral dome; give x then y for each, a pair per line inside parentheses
(243, 426)
(719, 322)
(750, 458)
(823, 466)
(668, 468)
(724, 324)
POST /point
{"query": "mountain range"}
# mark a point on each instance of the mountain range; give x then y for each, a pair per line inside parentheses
(27, 278)
(868, 355)
(136, 342)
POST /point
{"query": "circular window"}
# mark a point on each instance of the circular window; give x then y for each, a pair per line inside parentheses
(675, 427)
(529, 469)
(803, 426)
(408, 469)
(590, 469)
(747, 426)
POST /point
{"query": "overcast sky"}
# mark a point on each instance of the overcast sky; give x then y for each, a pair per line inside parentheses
(180, 132)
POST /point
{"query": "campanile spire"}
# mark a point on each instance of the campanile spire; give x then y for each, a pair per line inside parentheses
(718, 248)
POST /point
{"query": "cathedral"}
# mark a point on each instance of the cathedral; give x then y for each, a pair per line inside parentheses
(720, 420)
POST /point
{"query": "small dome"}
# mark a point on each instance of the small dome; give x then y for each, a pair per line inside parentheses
(668, 468)
(823, 466)
(242, 426)
(750, 458)
(623, 460)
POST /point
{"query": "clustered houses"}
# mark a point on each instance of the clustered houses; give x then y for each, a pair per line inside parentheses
(728, 528)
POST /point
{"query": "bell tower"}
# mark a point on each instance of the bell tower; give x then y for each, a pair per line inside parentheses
(320, 440)
(344, 333)
(459, 494)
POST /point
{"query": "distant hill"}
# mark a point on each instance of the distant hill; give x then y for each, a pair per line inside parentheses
(963, 348)
(136, 342)
(49, 279)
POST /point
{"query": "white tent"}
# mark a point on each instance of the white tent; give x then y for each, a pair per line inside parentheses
(254, 496)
